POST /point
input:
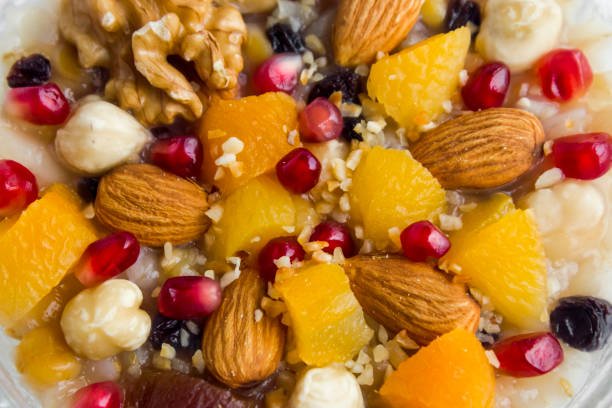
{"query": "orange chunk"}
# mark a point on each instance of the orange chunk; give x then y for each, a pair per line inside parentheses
(452, 371)
(414, 83)
(262, 123)
(326, 318)
(38, 249)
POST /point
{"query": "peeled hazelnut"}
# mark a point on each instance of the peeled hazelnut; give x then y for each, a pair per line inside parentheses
(327, 387)
(98, 137)
(104, 321)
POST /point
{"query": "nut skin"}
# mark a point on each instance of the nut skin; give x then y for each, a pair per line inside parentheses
(481, 150)
(415, 297)
(364, 27)
(157, 207)
(237, 349)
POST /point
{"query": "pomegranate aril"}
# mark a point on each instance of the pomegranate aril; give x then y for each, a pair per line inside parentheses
(564, 74)
(107, 258)
(189, 297)
(275, 249)
(336, 235)
(40, 105)
(105, 394)
(585, 157)
(181, 155)
(279, 73)
(423, 240)
(18, 188)
(320, 121)
(487, 87)
(528, 355)
(298, 171)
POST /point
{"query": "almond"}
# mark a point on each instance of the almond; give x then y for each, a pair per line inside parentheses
(238, 347)
(365, 27)
(481, 150)
(157, 207)
(415, 297)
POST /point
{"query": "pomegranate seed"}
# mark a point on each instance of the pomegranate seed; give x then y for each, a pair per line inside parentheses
(336, 235)
(423, 240)
(189, 297)
(585, 157)
(564, 74)
(487, 87)
(98, 395)
(18, 188)
(279, 73)
(277, 248)
(106, 258)
(181, 155)
(528, 355)
(320, 121)
(298, 171)
(40, 105)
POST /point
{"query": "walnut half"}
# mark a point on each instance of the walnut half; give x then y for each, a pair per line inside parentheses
(133, 40)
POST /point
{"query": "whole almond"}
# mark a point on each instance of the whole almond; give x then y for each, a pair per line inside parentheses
(415, 297)
(481, 150)
(157, 207)
(364, 27)
(240, 348)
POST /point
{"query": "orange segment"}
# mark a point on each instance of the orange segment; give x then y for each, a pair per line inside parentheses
(326, 318)
(452, 371)
(414, 83)
(38, 249)
(261, 122)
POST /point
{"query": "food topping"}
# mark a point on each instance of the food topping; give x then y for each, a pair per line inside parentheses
(334, 235)
(18, 188)
(39, 105)
(29, 71)
(115, 34)
(98, 137)
(189, 297)
(423, 240)
(584, 157)
(345, 81)
(99, 395)
(181, 155)
(87, 188)
(463, 13)
(298, 171)
(583, 322)
(279, 73)
(487, 87)
(528, 355)
(105, 320)
(180, 334)
(284, 39)
(270, 255)
(564, 74)
(320, 121)
(327, 387)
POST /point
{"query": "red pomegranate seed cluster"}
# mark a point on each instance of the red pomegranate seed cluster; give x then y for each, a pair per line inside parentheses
(40, 105)
(275, 249)
(181, 155)
(18, 188)
(98, 395)
(528, 355)
(279, 73)
(487, 87)
(298, 171)
(189, 297)
(585, 157)
(320, 121)
(336, 235)
(423, 240)
(564, 74)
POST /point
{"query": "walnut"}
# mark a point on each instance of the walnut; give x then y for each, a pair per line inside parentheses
(133, 40)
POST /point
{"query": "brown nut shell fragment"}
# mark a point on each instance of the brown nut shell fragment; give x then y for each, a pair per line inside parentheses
(415, 297)
(157, 207)
(365, 27)
(239, 347)
(481, 150)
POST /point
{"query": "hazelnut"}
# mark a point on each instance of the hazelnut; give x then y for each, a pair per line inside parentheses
(331, 386)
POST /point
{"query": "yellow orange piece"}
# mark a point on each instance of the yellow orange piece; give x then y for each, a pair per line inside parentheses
(257, 48)
(505, 260)
(44, 357)
(391, 189)
(414, 83)
(486, 212)
(434, 12)
(262, 123)
(38, 249)
(452, 371)
(252, 215)
(326, 318)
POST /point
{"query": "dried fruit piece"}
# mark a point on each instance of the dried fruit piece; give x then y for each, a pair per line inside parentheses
(181, 155)
(105, 394)
(336, 235)
(348, 130)
(29, 71)
(453, 371)
(180, 334)
(274, 250)
(423, 240)
(346, 81)
(40, 105)
(18, 188)
(87, 187)
(279, 73)
(415, 297)
(583, 322)
(487, 86)
(564, 74)
(463, 13)
(284, 39)
(528, 355)
(320, 121)
(298, 171)
(585, 157)
(189, 297)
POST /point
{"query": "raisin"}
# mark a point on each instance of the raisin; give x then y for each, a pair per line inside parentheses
(284, 39)
(180, 334)
(88, 188)
(583, 322)
(348, 131)
(345, 81)
(461, 13)
(29, 71)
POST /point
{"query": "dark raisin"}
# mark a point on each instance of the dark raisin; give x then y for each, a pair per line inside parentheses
(345, 81)
(348, 131)
(284, 39)
(180, 334)
(29, 71)
(461, 13)
(583, 322)
(88, 188)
